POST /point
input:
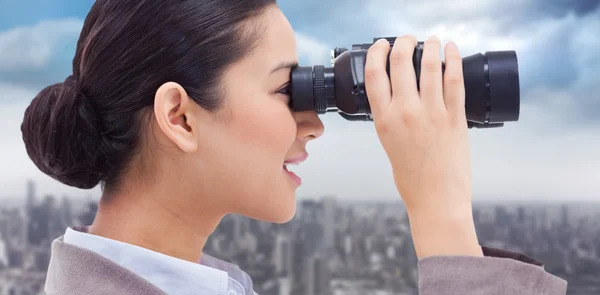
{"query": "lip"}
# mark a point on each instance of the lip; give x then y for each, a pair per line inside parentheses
(294, 161)
(297, 160)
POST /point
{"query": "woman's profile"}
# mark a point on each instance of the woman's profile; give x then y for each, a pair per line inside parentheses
(180, 110)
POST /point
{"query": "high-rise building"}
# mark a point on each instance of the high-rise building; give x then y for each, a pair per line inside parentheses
(284, 285)
(55, 221)
(329, 224)
(3, 253)
(317, 276)
(521, 215)
(30, 194)
(502, 216)
(241, 225)
(564, 215)
(30, 211)
(4, 223)
(282, 255)
(311, 216)
(477, 215)
(66, 214)
(347, 244)
(310, 211)
(87, 217)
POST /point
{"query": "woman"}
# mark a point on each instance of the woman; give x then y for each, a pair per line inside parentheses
(180, 109)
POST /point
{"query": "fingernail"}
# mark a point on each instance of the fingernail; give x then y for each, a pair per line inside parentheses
(452, 45)
(434, 38)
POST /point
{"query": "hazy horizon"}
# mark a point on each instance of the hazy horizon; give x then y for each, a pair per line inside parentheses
(94, 194)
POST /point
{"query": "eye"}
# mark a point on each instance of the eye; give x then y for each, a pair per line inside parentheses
(285, 90)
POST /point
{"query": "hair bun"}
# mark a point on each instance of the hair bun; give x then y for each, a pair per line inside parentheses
(62, 135)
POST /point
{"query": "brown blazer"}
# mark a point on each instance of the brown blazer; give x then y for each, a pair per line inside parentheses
(76, 271)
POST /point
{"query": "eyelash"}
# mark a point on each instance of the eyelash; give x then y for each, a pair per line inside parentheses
(285, 90)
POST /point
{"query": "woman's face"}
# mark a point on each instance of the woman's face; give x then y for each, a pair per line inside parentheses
(242, 148)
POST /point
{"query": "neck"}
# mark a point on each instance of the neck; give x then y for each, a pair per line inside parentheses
(150, 220)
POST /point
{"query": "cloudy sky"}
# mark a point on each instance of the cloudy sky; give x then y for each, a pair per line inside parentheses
(552, 153)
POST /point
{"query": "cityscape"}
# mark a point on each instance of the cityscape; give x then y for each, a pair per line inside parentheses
(331, 247)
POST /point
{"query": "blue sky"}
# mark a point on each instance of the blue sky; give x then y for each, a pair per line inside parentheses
(30, 12)
(552, 153)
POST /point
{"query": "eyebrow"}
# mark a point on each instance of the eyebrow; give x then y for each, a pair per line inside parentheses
(284, 65)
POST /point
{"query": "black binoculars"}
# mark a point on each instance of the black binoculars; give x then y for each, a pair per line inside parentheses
(491, 85)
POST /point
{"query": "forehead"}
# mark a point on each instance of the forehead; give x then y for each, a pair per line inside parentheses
(277, 40)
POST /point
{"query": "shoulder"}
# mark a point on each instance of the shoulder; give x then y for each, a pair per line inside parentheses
(75, 270)
(499, 270)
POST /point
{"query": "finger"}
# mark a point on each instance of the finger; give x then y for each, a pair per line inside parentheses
(454, 86)
(431, 74)
(377, 82)
(402, 70)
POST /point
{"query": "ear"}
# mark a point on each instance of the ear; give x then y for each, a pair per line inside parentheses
(173, 109)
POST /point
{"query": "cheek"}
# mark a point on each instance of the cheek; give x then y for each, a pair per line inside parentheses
(268, 130)
(262, 139)
(247, 158)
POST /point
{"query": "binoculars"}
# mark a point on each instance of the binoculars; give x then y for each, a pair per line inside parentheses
(491, 85)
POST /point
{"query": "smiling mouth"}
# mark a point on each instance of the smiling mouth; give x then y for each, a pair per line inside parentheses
(290, 167)
(294, 162)
(292, 175)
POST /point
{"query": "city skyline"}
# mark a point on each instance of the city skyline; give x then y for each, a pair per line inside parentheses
(551, 154)
(328, 248)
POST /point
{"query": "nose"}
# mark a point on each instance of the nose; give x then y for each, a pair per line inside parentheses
(309, 126)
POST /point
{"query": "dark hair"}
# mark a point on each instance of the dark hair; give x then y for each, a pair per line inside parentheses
(85, 130)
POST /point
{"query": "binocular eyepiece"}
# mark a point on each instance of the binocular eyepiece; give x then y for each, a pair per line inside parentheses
(491, 85)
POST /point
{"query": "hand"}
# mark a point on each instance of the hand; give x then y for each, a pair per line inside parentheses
(425, 137)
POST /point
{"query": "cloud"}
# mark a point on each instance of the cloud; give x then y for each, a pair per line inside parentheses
(38, 55)
(561, 52)
(311, 51)
(561, 8)
(546, 46)
(31, 48)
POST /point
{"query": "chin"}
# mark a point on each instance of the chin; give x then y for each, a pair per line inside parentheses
(283, 213)
(280, 210)
(285, 218)
(277, 204)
